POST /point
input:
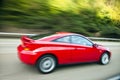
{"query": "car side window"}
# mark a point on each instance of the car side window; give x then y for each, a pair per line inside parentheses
(65, 39)
(80, 40)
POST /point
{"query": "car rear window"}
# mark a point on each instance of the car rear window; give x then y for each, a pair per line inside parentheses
(39, 36)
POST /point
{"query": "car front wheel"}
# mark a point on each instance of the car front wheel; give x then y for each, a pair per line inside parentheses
(105, 59)
(46, 64)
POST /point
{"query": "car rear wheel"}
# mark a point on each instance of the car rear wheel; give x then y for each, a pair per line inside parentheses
(46, 64)
(105, 59)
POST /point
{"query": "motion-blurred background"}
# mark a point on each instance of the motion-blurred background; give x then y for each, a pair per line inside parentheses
(99, 18)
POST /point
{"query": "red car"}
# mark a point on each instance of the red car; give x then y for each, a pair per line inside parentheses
(60, 48)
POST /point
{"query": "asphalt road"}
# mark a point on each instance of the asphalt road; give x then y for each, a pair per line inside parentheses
(12, 69)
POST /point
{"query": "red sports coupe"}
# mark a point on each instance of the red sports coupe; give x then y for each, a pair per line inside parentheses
(60, 48)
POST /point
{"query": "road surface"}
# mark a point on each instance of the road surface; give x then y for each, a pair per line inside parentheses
(12, 69)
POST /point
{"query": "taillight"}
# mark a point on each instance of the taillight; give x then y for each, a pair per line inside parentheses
(27, 49)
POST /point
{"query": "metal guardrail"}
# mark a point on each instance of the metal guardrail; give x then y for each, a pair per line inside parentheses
(105, 39)
(12, 35)
(19, 34)
(15, 35)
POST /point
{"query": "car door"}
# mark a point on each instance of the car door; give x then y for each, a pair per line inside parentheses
(63, 50)
(84, 50)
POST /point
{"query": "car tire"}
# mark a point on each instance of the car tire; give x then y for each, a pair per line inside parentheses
(105, 59)
(46, 64)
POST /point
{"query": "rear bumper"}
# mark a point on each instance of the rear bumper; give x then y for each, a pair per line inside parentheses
(27, 57)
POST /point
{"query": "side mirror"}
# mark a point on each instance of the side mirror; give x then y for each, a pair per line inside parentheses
(95, 45)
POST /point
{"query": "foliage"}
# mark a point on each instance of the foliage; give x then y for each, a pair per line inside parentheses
(86, 17)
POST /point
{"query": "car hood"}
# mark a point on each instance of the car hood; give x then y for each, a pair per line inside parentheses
(102, 47)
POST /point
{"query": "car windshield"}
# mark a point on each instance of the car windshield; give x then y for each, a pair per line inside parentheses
(38, 36)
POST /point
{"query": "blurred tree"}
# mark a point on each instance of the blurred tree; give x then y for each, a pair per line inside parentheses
(87, 17)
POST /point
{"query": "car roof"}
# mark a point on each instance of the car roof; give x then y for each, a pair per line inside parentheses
(57, 35)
